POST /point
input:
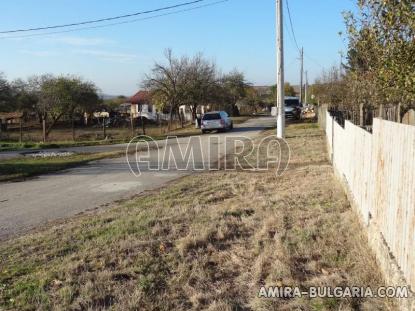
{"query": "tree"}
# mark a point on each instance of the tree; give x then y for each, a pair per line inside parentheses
(167, 83)
(234, 85)
(381, 54)
(193, 82)
(6, 98)
(83, 96)
(252, 100)
(24, 97)
(289, 89)
(53, 97)
(201, 83)
(330, 88)
(114, 103)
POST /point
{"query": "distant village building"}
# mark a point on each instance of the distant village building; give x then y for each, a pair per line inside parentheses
(140, 105)
(9, 118)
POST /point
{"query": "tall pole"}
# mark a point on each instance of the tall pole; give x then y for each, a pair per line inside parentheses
(280, 66)
(301, 74)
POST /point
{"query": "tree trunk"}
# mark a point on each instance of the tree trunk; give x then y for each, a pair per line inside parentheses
(398, 113)
(51, 125)
(361, 115)
(143, 126)
(170, 117)
(381, 114)
(181, 116)
(44, 135)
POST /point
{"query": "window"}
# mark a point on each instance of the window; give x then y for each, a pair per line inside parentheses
(212, 116)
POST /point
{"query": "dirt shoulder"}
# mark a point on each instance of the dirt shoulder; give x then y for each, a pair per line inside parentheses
(209, 241)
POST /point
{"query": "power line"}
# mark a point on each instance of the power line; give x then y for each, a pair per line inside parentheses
(289, 33)
(103, 19)
(295, 40)
(291, 23)
(115, 24)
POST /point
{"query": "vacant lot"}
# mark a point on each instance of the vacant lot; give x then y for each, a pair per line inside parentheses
(208, 241)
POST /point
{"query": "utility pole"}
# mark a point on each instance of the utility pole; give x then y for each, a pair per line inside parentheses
(280, 66)
(301, 74)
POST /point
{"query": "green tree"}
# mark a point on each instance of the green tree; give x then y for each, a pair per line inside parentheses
(252, 100)
(289, 89)
(59, 96)
(381, 54)
(83, 97)
(6, 95)
(201, 83)
(234, 85)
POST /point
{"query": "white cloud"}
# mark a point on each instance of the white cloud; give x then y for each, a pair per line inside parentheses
(109, 56)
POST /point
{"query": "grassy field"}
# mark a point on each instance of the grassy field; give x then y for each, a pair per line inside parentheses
(206, 242)
(62, 138)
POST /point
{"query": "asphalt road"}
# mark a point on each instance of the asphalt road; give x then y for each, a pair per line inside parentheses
(32, 203)
(4, 155)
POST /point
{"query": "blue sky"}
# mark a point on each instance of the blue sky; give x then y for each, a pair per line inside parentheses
(235, 34)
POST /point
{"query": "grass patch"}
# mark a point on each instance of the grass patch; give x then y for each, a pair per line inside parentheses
(208, 241)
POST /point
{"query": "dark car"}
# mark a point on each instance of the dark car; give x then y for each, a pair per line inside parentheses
(292, 108)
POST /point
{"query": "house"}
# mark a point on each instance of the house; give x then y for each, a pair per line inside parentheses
(10, 119)
(140, 105)
(186, 111)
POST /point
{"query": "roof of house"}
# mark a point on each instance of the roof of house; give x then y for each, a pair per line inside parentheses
(141, 97)
(10, 115)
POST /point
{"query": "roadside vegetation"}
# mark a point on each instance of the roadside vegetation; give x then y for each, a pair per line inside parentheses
(379, 72)
(208, 241)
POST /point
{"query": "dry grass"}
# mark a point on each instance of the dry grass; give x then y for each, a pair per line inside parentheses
(206, 242)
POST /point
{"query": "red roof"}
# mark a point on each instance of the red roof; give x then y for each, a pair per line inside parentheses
(141, 97)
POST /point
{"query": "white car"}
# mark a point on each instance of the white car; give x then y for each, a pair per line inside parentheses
(216, 120)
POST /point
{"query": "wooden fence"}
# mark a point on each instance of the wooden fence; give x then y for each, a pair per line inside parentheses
(379, 169)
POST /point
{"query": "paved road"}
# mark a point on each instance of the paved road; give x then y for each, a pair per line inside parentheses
(4, 155)
(29, 204)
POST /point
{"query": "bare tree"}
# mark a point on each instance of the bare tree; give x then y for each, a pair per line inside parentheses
(201, 83)
(166, 82)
